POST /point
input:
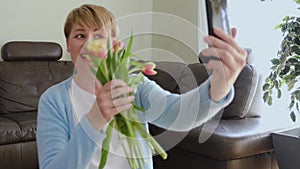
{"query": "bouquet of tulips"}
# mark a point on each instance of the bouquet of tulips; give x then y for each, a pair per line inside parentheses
(112, 61)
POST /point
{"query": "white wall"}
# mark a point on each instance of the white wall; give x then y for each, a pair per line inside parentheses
(43, 20)
(175, 30)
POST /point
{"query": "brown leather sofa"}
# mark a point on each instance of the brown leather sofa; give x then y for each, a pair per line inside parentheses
(28, 69)
(238, 138)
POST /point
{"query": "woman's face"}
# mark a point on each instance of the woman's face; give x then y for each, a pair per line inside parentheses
(76, 41)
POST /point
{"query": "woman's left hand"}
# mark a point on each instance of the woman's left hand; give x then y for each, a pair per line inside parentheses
(231, 60)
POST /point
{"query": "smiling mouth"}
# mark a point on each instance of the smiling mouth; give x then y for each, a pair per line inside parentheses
(83, 54)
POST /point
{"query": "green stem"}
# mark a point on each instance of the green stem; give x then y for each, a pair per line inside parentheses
(141, 129)
(134, 70)
(106, 144)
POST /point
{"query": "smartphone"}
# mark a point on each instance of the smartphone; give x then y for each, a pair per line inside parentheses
(217, 16)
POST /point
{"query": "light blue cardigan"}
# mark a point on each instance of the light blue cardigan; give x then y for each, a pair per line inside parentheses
(63, 146)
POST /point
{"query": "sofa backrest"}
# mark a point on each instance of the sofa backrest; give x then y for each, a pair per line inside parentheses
(180, 78)
(28, 69)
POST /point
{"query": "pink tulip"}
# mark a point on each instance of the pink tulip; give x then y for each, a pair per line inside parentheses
(97, 48)
(117, 45)
(148, 69)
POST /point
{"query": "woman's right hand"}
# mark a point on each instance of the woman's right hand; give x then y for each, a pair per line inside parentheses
(111, 99)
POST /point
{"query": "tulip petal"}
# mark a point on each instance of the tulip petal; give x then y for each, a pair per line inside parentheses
(149, 65)
(97, 48)
(149, 72)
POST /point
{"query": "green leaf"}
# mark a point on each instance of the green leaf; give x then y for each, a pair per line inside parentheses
(296, 49)
(128, 49)
(276, 84)
(109, 47)
(105, 144)
(138, 107)
(121, 125)
(279, 93)
(152, 141)
(266, 97)
(291, 84)
(96, 61)
(101, 74)
(275, 61)
(270, 92)
(270, 102)
(291, 105)
(279, 26)
(135, 63)
(286, 18)
(122, 71)
(93, 70)
(296, 40)
(266, 86)
(268, 80)
(135, 80)
(101, 77)
(282, 58)
(285, 70)
(293, 116)
(297, 93)
(292, 60)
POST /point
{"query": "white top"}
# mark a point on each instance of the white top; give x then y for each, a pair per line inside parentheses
(82, 101)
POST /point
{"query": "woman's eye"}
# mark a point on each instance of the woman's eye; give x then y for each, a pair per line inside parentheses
(79, 36)
(98, 36)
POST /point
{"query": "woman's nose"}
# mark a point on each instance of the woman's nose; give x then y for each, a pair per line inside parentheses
(90, 36)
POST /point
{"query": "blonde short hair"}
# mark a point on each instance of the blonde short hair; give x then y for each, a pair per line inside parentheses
(91, 16)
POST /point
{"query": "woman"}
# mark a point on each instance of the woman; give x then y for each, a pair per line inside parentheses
(73, 114)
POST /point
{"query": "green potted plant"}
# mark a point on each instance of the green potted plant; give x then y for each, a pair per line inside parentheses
(286, 66)
(285, 71)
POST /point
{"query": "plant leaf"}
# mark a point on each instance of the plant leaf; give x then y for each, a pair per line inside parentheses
(266, 86)
(293, 116)
(292, 60)
(138, 107)
(275, 61)
(106, 143)
(279, 93)
(266, 97)
(128, 49)
(270, 102)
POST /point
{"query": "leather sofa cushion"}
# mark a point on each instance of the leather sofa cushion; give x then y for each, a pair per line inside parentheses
(8, 131)
(22, 155)
(24, 127)
(257, 105)
(180, 78)
(245, 87)
(181, 159)
(22, 83)
(233, 139)
(25, 50)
